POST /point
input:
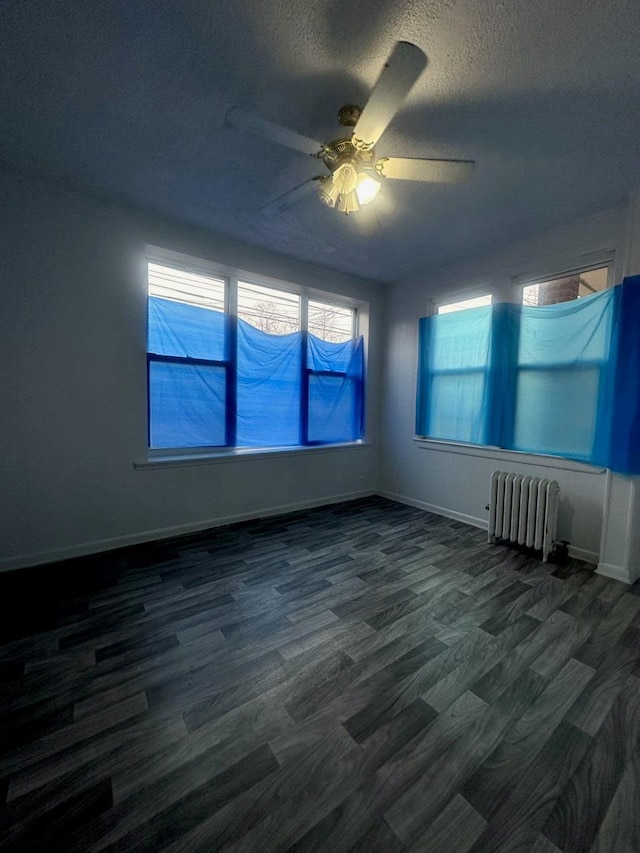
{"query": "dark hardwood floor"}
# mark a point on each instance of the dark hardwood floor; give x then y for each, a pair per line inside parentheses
(362, 677)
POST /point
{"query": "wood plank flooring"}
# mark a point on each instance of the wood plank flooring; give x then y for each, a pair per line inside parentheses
(361, 677)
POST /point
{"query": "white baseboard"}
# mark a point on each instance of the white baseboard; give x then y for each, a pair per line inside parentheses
(483, 524)
(583, 554)
(616, 573)
(438, 510)
(53, 555)
(84, 549)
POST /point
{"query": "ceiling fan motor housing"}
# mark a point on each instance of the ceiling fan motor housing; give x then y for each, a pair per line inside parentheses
(348, 115)
(334, 154)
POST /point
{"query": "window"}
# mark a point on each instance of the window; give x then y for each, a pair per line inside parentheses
(462, 305)
(334, 382)
(454, 369)
(566, 288)
(189, 371)
(562, 358)
(278, 369)
(520, 378)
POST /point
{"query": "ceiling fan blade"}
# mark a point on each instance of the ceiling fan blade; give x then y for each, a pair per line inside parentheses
(286, 200)
(239, 119)
(431, 171)
(402, 69)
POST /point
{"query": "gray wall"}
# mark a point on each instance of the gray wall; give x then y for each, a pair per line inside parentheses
(73, 413)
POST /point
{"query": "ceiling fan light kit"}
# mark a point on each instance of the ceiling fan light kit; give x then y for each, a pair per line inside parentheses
(345, 177)
(348, 203)
(354, 178)
(348, 186)
(367, 189)
(347, 189)
(351, 183)
(328, 192)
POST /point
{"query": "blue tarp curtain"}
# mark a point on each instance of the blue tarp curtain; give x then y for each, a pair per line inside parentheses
(215, 380)
(335, 389)
(562, 380)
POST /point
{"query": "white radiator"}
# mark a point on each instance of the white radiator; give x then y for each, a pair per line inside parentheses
(523, 510)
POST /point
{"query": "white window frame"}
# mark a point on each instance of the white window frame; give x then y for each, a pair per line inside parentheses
(231, 276)
(462, 296)
(551, 273)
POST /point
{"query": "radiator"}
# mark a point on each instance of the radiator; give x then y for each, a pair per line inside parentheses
(523, 510)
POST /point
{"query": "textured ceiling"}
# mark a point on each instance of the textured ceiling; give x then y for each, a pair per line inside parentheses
(127, 99)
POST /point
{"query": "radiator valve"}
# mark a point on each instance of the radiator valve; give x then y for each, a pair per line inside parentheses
(560, 553)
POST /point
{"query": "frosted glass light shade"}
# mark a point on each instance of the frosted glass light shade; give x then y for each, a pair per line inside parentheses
(348, 203)
(345, 178)
(367, 189)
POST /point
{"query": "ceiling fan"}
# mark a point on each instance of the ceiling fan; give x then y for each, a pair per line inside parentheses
(355, 173)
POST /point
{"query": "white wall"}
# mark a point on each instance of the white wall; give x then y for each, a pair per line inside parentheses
(453, 481)
(73, 407)
(73, 411)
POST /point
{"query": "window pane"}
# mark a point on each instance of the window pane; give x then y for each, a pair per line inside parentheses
(476, 302)
(456, 407)
(334, 412)
(269, 369)
(189, 331)
(461, 341)
(335, 358)
(273, 311)
(566, 288)
(572, 333)
(333, 323)
(188, 287)
(186, 405)
(556, 411)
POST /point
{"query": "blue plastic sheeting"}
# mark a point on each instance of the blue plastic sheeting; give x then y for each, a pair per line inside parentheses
(346, 357)
(187, 405)
(624, 451)
(335, 402)
(286, 390)
(175, 328)
(454, 362)
(561, 380)
(563, 356)
(269, 385)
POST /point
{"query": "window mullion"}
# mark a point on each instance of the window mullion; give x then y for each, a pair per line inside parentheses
(304, 369)
(185, 359)
(341, 373)
(148, 395)
(232, 362)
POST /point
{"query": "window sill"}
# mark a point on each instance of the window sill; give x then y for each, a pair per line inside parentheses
(489, 452)
(172, 460)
